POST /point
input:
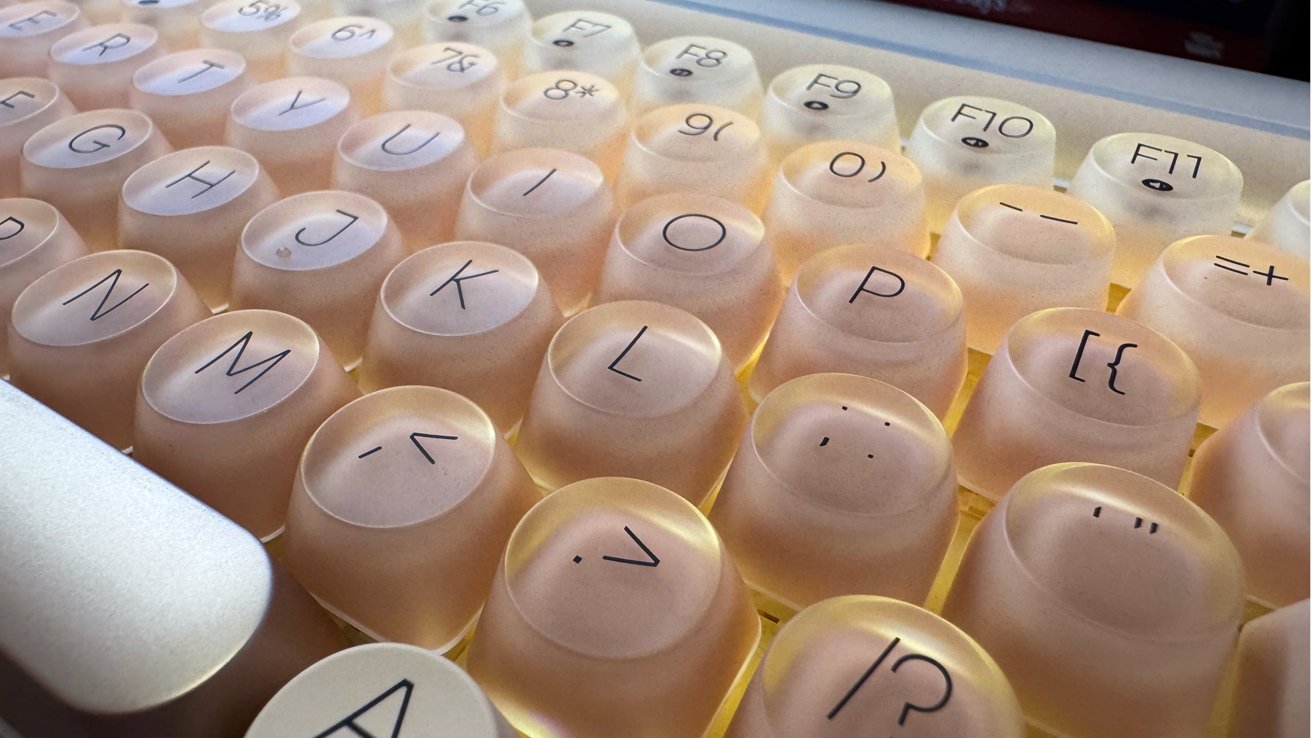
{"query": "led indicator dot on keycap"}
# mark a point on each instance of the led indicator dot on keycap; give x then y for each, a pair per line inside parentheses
(698, 69)
(597, 43)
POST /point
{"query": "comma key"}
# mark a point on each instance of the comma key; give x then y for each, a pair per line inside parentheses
(27, 104)
(94, 66)
(34, 238)
(188, 94)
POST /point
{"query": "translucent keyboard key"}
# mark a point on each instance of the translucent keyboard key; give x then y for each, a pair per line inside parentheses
(1239, 308)
(847, 665)
(79, 164)
(27, 104)
(352, 50)
(553, 207)
(415, 164)
(1110, 602)
(456, 79)
(874, 311)
(1014, 249)
(695, 148)
(190, 207)
(127, 608)
(499, 26)
(292, 126)
(469, 316)
(381, 689)
(601, 44)
(1285, 224)
(419, 469)
(697, 69)
(34, 238)
(625, 388)
(28, 30)
(839, 192)
(796, 508)
(703, 254)
(226, 406)
(257, 29)
(188, 94)
(406, 17)
(828, 102)
(964, 143)
(94, 66)
(1156, 190)
(616, 610)
(1070, 384)
(1271, 693)
(322, 257)
(1252, 477)
(176, 20)
(571, 111)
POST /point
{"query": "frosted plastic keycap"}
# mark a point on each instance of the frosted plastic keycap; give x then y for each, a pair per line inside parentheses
(28, 30)
(34, 238)
(352, 50)
(571, 111)
(1109, 601)
(874, 311)
(415, 164)
(697, 69)
(1239, 308)
(176, 20)
(553, 207)
(842, 485)
(1014, 249)
(469, 316)
(1156, 190)
(415, 469)
(320, 256)
(964, 143)
(499, 26)
(828, 102)
(406, 17)
(694, 148)
(601, 44)
(257, 29)
(703, 254)
(849, 666)
(292, 126)
(381, 689)
(1252, 477)
(80, 335)
(94, 66)
(1071, 384)
(79, 164)
(838, 192)
(1272, 687)
(460, 80)
(616, 610)
(188, 94)
(27, 104)
(226, 406)
(190, 207)
(625, 387)
(1285, 224)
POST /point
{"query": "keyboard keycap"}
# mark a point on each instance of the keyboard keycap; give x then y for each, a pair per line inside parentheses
(600, 44)
(322, 257)
(456, 79)
(127, 608)
(188, 94)
(703, 254)
(27, 104)
(28, 30)
(415, 469)
(259, 30)
(796, 508)
(468, 316)
(1271, 695)
(1015, 249)
(406, 17)
(571, 111)
(874, 311)
(352, 50)
(625, 388)
(1239, 308)
(964, 143)
(1156, 190)
(848, 665)
(226, 406)
(94, 66)
(828, 102)
(1069, 384)
(697, 69)
(1285, 224)
(34, 238)
(80, 336)
(499, 26)
(190, 207)
(1252, 477)
(615, 611)
(383, 689)
(175, 20)
(79, 165)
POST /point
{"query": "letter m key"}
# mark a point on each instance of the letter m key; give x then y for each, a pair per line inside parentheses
(241, 344)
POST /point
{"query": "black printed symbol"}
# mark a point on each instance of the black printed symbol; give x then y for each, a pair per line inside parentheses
(824, 440)
(1138, 521)
(624, 353)
(1157, 184)
(112, 278)
(1112, 365)
(539, 182)
(370, 452)
(815, 105)
(457, 18)
(414, 438)
(241, 344)
(652, 560)
(563, 43)
(863, 287)
(1045, 216)
(681, 72)
(147, 2)
(975, 142)
(457, 279)
(907, 707)
(1269, 274)
(349, 727)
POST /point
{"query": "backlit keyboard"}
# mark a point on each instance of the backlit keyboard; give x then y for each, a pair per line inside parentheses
(619, 369)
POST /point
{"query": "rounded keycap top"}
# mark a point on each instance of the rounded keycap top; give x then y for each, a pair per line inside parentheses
(457, 79)
(94, 66)
(34, 238)
(292, 125)
(500, 26)
(1271, 693)
(698, 69)
(28, 30)
(1285, 224)
(572, 111)
(188, 93)
(601, 44)
(175, 20)
(256, 29)
(27, 104)
(828, 102)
